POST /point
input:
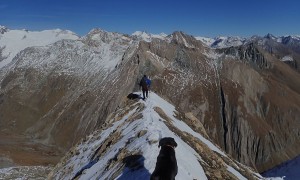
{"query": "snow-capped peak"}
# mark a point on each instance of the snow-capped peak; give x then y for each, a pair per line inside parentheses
(206, 40)
(142, 35)
(97, 30)
(15, 41)
(222, 41)
(100, 35)
(296, 37)
(127, 148)
(270, 36)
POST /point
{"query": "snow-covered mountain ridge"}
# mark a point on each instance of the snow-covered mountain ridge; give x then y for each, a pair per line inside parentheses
(127, 146)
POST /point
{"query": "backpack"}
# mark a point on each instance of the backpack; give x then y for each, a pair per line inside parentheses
(148, 82)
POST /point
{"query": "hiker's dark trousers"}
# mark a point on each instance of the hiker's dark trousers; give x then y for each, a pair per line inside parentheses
(145, 92)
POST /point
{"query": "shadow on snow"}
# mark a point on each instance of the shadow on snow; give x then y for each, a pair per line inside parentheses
(134, 168)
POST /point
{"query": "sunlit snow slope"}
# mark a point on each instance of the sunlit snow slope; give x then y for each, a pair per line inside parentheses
(126, 147)
(14, 41)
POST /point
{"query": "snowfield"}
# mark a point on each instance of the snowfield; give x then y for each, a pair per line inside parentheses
(15, 41)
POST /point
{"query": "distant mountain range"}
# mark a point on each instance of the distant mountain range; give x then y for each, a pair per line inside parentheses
(39, 38)
(225, 42)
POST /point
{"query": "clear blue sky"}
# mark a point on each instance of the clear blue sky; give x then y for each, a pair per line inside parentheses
(196, 17)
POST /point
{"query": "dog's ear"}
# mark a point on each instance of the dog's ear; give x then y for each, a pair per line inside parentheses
(174, 143)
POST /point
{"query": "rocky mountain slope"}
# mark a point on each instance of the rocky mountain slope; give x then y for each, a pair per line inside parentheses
(247, 96)
(58, 93)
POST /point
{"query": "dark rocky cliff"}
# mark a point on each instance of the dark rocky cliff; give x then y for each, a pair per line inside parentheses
(248, 101)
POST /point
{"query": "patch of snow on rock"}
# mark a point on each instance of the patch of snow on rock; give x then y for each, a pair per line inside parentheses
(287, 58)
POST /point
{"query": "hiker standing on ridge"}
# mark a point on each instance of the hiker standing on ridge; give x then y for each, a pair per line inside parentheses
(145, 85)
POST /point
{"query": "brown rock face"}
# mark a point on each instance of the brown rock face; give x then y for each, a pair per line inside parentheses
(260, 111)
(247, 100)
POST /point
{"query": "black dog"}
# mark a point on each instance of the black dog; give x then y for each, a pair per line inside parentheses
(133, 96)
(166, 164)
